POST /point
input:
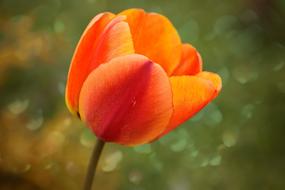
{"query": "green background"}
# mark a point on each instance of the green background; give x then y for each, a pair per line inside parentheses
(235, 143)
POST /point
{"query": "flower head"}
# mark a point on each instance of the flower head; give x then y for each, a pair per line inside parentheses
(131, 80)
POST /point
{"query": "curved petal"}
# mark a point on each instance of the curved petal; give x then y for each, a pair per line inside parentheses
(155, 37)
(105, 37)
(190, 63)
(190, 95)
(127, 101)
(214, 78)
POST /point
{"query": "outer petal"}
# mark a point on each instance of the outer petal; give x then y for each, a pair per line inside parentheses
(155, 37)
(191, 94)
(105, 37)
(127, 101)
(190, 63)
(214, 78)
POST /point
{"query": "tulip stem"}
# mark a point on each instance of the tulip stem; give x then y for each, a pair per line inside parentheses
(93, 164)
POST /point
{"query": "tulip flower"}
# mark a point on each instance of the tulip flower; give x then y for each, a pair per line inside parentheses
(132, 81)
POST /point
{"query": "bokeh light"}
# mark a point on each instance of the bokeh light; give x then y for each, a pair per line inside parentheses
(235, 143)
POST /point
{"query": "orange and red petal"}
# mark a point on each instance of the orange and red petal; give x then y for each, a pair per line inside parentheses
(190, 62)
(127, 101)
(155, 37)
(214, 78)
(190, 95)
(105, 37)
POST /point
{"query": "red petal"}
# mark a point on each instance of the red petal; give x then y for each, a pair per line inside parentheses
(105, 37)
(190, 63)
(127, 101)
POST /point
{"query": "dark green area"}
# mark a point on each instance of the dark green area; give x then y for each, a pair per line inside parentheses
(236, 142)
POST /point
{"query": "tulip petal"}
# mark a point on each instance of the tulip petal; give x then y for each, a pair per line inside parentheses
(190, 95)
(127, 101)
(214, 78)
(105, 37)
(155, 37)
(190, 62)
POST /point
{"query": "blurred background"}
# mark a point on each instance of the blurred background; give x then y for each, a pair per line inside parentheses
(236, 142)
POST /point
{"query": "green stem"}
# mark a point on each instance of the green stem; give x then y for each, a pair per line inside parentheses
(93, 164)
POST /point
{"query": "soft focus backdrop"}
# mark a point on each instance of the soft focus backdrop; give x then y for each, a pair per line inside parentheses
(236, 143)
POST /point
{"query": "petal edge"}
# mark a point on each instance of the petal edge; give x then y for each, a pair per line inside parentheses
(131, 103)
(190, 95)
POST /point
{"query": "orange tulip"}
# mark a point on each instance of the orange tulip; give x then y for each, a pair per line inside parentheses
(131, 80)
